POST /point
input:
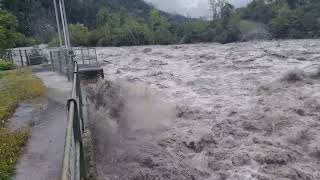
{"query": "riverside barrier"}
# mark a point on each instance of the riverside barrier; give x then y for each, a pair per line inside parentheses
(67, 62)
(74, 164)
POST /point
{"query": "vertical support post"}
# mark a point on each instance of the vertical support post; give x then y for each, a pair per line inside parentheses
(27, 57)
(21, 58)
(59, 59)
(58, 23)
(89, 56)
(82, 56)
(66, 23)
(68, 64)
(52, 63)
(10, 56)
(95, 55)
(63, 25)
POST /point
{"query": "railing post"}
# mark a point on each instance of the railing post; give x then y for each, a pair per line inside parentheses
(95, 55)
(52, 63)
(82, 56)
(11, 57)
(89, 56)
(27, 57)
(21, 59)
(59, 59)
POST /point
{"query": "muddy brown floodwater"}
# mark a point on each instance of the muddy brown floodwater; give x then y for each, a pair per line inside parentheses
(209, 111)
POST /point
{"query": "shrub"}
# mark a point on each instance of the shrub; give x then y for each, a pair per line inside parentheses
(4, 65)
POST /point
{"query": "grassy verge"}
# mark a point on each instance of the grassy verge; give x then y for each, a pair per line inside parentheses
(15, 86)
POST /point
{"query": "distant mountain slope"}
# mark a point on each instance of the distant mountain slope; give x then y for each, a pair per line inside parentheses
(85, 11)
(36, 17)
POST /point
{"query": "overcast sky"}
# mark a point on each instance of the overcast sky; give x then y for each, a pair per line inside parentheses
(193, 8)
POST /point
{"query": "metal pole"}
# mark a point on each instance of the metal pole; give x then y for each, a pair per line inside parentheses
(68, 66)
(21, 58)
(59, 58)
(95, 55)
(27, 57)
(66, 23)
(58, 23)
(63, 25)
(11, 56)
(52, 64)
(82, 56)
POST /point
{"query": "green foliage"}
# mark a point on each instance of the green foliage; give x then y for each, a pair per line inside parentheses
(196, 31)
(8, 24)
(133, 22)
(9, 38)
(78, 34)
(258, 10)
(160, 28)
(120, 29)
(4, 65)
(102, 17)
(286, 18)
(15, 86)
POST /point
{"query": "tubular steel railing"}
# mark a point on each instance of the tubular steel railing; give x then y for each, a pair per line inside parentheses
(74, 166)
(27, 57)
(85, 55)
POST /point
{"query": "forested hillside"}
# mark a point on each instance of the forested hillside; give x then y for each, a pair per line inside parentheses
(134, 22)
(286, 18)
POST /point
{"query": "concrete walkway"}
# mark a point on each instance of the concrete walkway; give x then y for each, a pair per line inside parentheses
(44, 152)
(43, 155)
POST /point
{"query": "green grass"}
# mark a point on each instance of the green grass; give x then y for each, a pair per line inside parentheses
(15, 86)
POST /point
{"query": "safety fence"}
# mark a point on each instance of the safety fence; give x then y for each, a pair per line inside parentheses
(24, 57)
(55, 56)
(74, 166)
(85, 55)
(66, 62)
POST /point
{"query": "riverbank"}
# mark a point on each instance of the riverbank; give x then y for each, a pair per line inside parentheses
(15, 86)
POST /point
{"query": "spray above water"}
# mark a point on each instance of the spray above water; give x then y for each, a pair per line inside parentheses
(128, 120)
(132, 106)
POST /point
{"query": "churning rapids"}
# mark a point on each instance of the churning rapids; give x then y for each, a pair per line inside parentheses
(208, 111)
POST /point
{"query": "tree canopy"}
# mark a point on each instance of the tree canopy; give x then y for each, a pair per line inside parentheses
(133, 22)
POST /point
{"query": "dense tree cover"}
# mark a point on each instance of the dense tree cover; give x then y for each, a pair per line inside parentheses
(9, 37)
(133, 22)
(120, 29)
(286, 18)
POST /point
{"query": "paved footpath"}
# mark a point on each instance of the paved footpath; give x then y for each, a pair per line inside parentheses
(43, 154)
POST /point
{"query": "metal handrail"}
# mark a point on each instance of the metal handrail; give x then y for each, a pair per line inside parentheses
(74, 166)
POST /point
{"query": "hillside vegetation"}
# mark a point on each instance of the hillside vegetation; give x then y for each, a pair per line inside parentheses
(134, 22)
